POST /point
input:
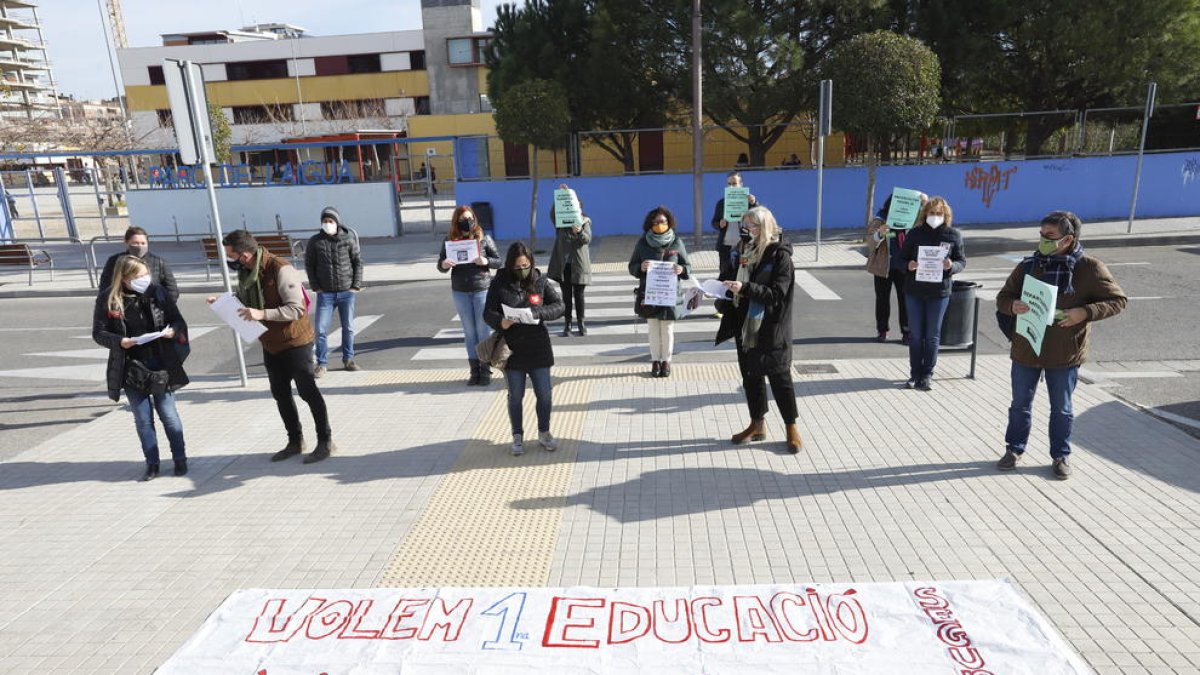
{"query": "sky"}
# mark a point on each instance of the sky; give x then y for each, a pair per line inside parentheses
(75, 38)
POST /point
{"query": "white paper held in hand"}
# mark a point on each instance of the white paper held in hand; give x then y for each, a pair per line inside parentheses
(148, 337)
(714, 289)
(519, 314)
(226, 307)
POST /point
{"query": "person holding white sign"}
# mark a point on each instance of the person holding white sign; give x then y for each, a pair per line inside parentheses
(887, 265)
(659, 244)
(131, 308)
(571, 266)
(1087, 292)
(521, 286)
(759, 319)
(470, 255)
(927, 300)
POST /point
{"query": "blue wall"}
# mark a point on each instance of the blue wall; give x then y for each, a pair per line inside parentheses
(1096, 188)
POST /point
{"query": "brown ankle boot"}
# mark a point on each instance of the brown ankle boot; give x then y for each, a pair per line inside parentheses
(755, 432)
(794, 441)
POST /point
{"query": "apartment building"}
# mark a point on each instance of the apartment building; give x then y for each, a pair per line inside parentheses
(26, 80)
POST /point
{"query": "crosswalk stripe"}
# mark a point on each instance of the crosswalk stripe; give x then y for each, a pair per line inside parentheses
(102, 353)
(690, 326)
(815, 289)
(360, 323)
(586, 350)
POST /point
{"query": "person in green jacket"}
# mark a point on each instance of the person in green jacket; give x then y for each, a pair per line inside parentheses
(571, 266)
(660, 243)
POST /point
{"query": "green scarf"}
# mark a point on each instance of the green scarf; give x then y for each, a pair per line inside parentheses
(755, 312)
(249, 289)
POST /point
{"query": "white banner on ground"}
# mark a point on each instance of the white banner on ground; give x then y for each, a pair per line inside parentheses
(968, 627)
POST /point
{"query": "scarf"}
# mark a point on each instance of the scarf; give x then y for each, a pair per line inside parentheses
(660, 240)
(750, 257)
(249, 289)
(1058, 270)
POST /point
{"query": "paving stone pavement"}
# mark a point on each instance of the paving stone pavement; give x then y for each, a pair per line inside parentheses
(103, 574)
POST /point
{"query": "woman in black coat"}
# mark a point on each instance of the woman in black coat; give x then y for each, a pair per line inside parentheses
(469, 282)
(520, 285)
(660, 243)
(759, 319)
(131, 307)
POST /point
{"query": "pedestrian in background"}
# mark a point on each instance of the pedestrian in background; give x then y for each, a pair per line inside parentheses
(520, 285)
(659, 243)
(333, 263)
(927, 300)
(759, 319)
(727, 237)
(571, 266)
(469, 283)
(137, 244)
(887, 264)
(1087, 292)
(273, 293)
(134, 305)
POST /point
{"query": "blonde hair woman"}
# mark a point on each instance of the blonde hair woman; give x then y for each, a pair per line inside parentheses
(150, 373)
(758, 316)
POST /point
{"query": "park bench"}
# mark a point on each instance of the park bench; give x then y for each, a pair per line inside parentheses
(21, 254)
(281, 245)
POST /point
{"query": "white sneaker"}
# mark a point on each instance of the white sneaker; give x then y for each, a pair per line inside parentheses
(518, 445)
(547, 441)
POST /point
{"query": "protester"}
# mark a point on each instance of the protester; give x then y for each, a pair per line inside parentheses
(759, 319)
(660, 243)
(272, 292)
(727, 237)
(1086, 293)
(134, 305)
(137, 243)
(571, 266)
(333, 263)
(927, 300)
(469, 286)
(886, 262)
(522, 286)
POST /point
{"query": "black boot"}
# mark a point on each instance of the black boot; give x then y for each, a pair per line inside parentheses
(474, 373)
(582, 327)
(151, 472)
(181, 467)
(323, 450)
(294, 447)
(566, 331)
(485, 374)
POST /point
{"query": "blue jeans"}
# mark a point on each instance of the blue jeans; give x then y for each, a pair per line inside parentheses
(470, 310)
(1060, 382)
(326, 302)
(516, 397)
(143, 407)
(925, 323)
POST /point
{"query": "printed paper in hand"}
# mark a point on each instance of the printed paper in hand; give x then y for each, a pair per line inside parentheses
(737, 202)
(929, 263)
(904, 209)
(714, 289)
(519, 314)
(226, 307)
(148, 337)
(662, 285)
(567, 212)
(1041, 298)
(462, 251)
(693, 295)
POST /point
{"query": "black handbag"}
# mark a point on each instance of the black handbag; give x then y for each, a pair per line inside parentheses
(141, 379)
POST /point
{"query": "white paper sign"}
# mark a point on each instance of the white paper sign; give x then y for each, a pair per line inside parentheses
(462, 251)
(662, 285)
(226, 307)
(899, 628)
(929, 263)
(567, 212)
(714, 289)
(148, 337)
(519, 314)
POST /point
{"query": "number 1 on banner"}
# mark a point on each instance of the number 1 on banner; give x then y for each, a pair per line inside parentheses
(508, 622)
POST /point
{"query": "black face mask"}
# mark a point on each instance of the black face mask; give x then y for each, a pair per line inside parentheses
(234, 265)
(744, 234)
(466, 224)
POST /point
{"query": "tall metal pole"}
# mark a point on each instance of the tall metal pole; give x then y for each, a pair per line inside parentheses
(190, 86)
(824, 126)
(697, 130)
(1137, 176)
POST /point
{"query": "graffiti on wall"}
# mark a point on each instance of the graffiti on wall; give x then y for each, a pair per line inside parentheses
(988, 181)
(1190, 170)
(244, 175)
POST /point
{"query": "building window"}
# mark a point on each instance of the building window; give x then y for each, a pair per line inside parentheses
(164, 119)
(156, 75)
(256, 70)
(351, 110)
(416, 60)
(421, 105)
(262, 114)
(485, 104)
(363, 63)
(467, 51)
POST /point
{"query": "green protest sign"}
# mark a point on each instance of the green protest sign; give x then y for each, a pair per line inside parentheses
(1041, 298)
(566, 208)
(905, 207)
(737, 202)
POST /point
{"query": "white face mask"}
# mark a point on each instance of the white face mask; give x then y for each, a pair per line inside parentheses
(140, 284)
(935, 221)
(329, 228)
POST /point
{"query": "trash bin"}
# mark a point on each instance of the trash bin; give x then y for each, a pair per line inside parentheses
(958, 328)
(483, 211)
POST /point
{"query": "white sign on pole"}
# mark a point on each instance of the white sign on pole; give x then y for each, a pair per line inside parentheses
(899, 628)
(180, 97)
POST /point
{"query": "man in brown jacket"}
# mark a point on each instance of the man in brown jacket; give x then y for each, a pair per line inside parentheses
(272, 292)
(1087, 293)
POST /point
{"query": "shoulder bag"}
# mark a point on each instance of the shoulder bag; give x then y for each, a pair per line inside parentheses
(493, 350)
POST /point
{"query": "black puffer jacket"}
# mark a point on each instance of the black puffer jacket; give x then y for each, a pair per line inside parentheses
(158, 310)
(469, 277)
(334, 263)
(530, 343)
(160, 273)
(675, 252)
(771, 284)
(923, 235)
